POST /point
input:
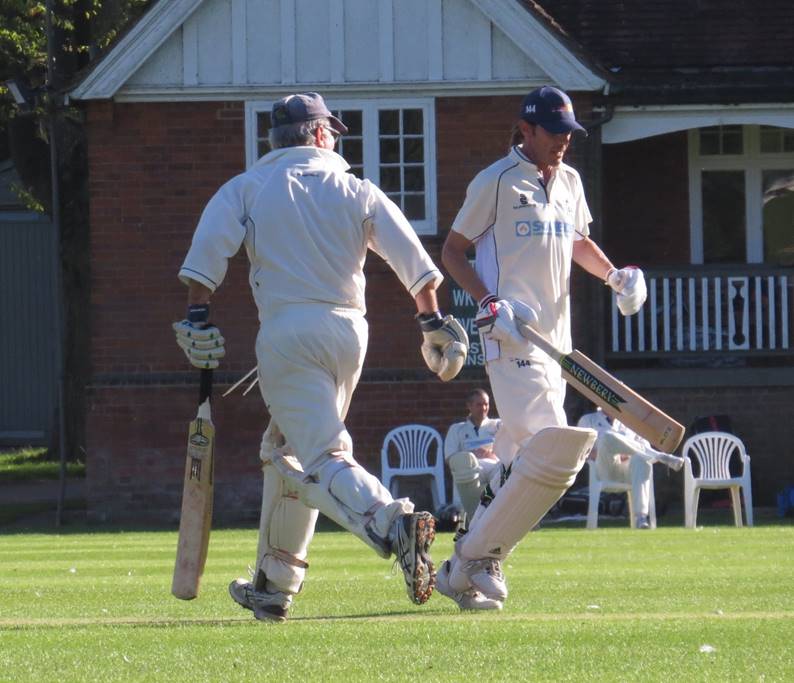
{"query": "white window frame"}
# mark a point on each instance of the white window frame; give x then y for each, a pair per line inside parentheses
(371, 148)
(752, 162)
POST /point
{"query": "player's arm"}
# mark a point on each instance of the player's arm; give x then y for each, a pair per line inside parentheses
(455, 260)
(589, 256)
(452, 441)
(628, 283)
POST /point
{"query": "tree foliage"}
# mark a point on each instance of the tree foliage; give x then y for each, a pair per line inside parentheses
(80, 30)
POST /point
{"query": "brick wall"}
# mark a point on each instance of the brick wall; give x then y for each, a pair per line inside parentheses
(153, 166)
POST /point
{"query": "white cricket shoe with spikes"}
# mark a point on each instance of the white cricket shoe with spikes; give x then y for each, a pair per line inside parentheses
(411, 539)
(470, 599)
(484, 575)
(266, 606)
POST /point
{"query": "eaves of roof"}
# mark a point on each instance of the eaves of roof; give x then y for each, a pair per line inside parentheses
(702, 86)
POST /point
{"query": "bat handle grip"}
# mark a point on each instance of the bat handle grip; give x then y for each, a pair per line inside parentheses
(205, 389)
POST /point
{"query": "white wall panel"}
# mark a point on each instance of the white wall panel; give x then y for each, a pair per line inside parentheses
(509, 62)
(410, 43)
(362, 34)
(464, 26)
(312, 42)
(263, 37)
(214, 21)
(228, 45)
(164, 67)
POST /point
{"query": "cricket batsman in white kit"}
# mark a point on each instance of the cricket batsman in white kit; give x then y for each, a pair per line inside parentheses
(527, 216)
(306, 224)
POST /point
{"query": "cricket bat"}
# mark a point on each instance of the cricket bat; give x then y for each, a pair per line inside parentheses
(196, 516)
(615, 398)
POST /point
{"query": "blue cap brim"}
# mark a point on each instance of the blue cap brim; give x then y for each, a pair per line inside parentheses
(563, 126)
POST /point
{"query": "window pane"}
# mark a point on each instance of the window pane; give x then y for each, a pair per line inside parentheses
(778, 217)
(390, 150)
(412, 122)
(721, 140)
(414, 150)
(415, 206)
(414, 178)
(776, 140)
(396, 197)
(357, 171)
(732, 140)
(770, 140)
(351, 150)
(390, 179)
(352, 119)
(709, 141)
(723, 217)
(389, 121)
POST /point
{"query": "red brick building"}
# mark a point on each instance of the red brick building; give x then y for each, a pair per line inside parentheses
(689, 169)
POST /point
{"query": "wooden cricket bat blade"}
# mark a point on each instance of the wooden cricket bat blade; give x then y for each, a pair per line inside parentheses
(615, 398)
(196, 515)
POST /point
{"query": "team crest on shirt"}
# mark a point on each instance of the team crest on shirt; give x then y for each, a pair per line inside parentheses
(524, 202)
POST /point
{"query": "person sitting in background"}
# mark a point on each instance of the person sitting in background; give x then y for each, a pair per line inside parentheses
(468, 450)
(621, 455)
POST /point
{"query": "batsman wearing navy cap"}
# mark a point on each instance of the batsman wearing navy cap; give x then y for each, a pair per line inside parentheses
(528, 220)
(306, 225)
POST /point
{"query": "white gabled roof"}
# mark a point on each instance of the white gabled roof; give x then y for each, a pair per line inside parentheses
(134, 48)
(236, 49)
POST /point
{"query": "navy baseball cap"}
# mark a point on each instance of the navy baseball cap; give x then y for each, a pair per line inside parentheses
(306, 106)
(551, 109)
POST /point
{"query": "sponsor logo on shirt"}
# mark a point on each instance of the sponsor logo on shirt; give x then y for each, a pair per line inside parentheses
(538, 227)
(524, 202)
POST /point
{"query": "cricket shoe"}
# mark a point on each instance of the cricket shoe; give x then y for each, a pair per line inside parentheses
(470, 599)
(484, 575)
(266, 606)
(413, 534)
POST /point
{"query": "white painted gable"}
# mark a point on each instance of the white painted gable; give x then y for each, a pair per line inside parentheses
(228, 49)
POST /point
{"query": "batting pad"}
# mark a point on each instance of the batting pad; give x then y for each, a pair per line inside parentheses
(286, 527)
(543, 470)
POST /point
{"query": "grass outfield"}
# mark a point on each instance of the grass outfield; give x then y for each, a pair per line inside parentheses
(712, 604)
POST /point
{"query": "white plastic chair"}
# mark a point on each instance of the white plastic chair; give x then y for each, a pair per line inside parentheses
(412, 445)
(597, 486)
(713, 451)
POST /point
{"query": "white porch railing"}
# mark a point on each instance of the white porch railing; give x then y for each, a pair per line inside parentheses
(734, 310)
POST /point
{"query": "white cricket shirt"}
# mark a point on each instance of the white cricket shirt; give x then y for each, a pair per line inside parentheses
(306, 224)
(462, 436)
(524, 234)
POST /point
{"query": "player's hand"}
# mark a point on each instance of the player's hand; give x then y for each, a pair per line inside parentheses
(445, 344)
(496, 319)
(629, 285)
(201, 341)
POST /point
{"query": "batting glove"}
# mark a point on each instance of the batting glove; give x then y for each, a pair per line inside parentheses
(629, 286)
(524, 314)
(201, 341)
(445, 344)
(496, 321)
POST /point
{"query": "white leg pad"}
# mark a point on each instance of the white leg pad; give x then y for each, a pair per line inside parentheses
(466, 470)
(543, 470)
(286, 527)
(344, 491)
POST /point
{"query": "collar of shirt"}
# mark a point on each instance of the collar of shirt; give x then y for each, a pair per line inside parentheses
(297, 155)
